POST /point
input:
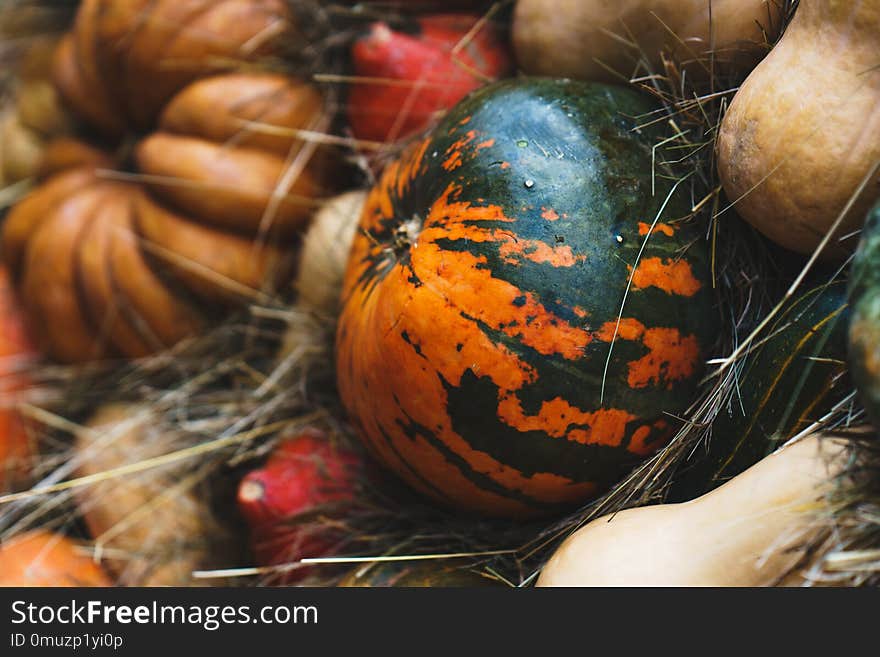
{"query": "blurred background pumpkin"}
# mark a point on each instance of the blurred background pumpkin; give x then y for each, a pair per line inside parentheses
(44, 558)
(128, 253)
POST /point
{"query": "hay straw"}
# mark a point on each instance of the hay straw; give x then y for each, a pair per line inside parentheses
(228, 398)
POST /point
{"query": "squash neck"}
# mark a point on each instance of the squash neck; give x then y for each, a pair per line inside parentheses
(860, 18)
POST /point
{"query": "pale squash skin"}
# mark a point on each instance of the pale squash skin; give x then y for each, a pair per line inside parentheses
(745, 533)
(20, 150)
(165, 532)
(322, 262)
(569, 38)
(803, 131)
(325, 252)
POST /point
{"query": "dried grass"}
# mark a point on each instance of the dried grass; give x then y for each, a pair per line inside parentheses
(227, 398)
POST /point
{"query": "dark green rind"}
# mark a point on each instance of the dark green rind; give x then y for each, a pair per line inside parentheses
(864, 333)
(603, 183)
(788, 382)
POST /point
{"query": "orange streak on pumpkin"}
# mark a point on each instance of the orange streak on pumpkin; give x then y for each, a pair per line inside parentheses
(409, 165)
(513, 251)
(454, 154)
(639, 437)
(453, 215)
(456, 276)
(645, 439)
(607, 426)
(549, 214)
(453, 161)
(628, 328)
(666, 229)
(670, 356)
(673, 277)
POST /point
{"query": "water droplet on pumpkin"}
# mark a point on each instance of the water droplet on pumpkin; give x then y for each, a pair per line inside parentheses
(529, 183)
(522, 143)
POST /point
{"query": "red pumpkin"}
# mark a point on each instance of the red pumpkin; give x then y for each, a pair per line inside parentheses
(409, 79)
(282, 502)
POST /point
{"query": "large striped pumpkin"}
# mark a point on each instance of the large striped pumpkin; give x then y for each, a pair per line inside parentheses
(522, 318)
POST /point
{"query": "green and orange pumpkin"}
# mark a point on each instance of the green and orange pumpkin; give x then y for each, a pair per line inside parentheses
(525, 310)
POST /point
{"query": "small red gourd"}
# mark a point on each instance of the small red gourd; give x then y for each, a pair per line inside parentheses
(406, 80)
(282, 501)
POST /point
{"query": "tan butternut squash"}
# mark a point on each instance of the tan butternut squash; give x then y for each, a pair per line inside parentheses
(803, 131)
(603, 40)
(748, 532)
(151, 528)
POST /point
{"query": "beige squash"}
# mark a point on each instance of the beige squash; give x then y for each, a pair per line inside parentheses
(318, 282)
(747, 532)
(803, 131)
(325, 252)
(596, 39)
(21, 149)
(151, 528)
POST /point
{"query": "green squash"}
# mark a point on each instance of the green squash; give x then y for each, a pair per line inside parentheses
(789, 381)
(864, 331)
